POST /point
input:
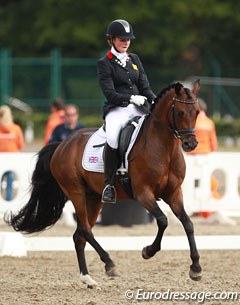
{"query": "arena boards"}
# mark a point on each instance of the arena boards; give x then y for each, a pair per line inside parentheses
(14, 244)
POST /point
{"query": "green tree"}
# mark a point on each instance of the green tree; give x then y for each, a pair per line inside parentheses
(178, 37)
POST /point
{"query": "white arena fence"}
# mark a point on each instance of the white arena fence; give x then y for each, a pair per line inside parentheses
(197, 197)
(225, 167)
(196, 187)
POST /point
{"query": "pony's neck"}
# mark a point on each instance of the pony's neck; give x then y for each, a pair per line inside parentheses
(160, 112)
(158, 129)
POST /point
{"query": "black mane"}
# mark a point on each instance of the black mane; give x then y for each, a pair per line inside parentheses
(164, 90)
(169, 87)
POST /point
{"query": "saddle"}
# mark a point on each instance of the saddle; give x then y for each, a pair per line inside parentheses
(125, 138)
(93, 154)
(124, 141)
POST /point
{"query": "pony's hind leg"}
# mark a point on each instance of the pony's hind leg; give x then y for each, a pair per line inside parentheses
(94, 206)
(162, 223)
(80, 243)
(87, 214)
(104, 256)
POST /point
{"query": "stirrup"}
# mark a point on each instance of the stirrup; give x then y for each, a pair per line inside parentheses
(109, 194)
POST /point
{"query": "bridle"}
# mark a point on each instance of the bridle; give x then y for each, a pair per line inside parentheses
(179, 133)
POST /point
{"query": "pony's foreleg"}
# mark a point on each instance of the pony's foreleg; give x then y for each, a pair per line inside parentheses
(162, 223)
(80, 243)
(195, 272)
(177, 207)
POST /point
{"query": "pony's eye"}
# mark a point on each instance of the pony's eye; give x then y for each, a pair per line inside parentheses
(180, 114)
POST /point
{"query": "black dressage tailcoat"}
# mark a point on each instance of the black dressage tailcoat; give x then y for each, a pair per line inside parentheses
(118, 83)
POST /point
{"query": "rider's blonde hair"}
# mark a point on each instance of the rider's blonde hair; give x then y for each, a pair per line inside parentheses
(6, 115)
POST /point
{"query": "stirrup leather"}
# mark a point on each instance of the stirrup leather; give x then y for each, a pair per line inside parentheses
(109, 194)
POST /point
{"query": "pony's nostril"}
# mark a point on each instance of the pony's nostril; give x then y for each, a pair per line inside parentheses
(186, 143)
(188, 146)
(194, 144)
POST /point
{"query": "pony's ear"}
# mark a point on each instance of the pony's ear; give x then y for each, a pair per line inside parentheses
(196, 87)
(178, 87)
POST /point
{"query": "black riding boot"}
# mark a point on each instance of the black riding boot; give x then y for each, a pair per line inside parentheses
(110, 168)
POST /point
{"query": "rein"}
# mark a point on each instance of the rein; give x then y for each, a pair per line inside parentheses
(178, 133)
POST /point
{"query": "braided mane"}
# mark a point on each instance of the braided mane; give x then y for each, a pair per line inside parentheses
(164, 90)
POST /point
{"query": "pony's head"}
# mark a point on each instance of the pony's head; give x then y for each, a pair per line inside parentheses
(183, 115)
(180, 112)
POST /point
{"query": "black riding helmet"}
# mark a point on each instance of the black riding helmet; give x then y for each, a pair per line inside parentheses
(120, 28)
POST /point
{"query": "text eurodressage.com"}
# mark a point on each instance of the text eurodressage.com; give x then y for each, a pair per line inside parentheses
(200, 296)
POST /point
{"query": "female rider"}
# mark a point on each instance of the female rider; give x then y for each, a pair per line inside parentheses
(126, 88)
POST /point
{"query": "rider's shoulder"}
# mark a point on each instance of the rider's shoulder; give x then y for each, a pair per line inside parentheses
(103, 60)
(133, 55)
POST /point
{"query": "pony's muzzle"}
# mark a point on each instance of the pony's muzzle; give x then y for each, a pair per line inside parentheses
(189, 145)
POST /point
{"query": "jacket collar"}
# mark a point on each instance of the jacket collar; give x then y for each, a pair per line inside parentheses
(115, 60)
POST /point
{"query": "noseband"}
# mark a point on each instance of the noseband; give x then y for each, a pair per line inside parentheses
(179, 133)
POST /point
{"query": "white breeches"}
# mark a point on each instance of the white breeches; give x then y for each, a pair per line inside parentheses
(116, 119)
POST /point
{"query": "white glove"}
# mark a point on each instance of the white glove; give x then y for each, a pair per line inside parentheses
(138, 100)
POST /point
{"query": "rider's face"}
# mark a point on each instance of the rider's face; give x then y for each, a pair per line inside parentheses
(121, 45)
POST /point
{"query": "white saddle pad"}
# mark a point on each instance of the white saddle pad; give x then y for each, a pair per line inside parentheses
(93, 156)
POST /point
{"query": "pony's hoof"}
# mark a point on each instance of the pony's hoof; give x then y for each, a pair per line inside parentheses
(111, 271)
(144, 253)
(195, 276)
(94, 286)
(86, 279)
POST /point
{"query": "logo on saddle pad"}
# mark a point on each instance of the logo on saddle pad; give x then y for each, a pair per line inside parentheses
(93, 154)
(93, 159)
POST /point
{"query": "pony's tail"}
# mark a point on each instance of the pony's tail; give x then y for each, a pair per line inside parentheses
(47, 200)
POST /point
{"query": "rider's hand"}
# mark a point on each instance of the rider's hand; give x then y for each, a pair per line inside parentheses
(138, 100)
